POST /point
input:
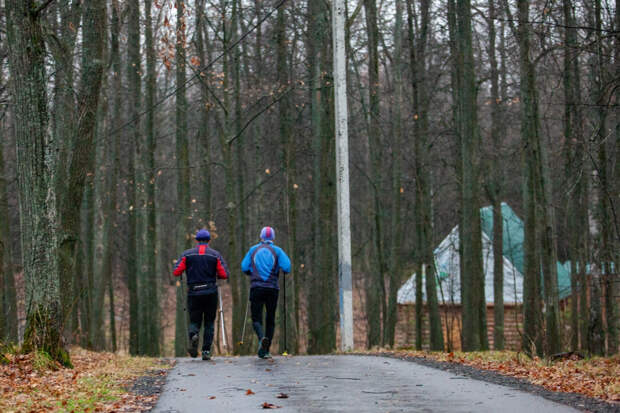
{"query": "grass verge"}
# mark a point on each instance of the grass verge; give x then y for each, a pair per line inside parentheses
(98, 382)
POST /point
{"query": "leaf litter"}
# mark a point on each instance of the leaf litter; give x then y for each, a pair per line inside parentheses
(98, 382)
(597, 377)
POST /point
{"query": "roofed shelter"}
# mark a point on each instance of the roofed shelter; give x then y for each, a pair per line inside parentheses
(447, 263)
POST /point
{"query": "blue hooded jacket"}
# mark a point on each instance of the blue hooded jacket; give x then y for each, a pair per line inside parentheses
(263, 263)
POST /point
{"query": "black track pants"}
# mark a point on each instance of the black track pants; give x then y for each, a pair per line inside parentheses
(202, 306)
(267, 297)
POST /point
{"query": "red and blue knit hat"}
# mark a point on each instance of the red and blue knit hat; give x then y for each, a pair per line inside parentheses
(267, 233)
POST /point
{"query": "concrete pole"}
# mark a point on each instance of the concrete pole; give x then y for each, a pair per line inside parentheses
(342, 172)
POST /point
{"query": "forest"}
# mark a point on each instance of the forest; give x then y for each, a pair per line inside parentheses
(127, 125)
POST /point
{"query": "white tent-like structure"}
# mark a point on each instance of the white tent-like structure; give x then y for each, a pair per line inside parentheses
(448, 275)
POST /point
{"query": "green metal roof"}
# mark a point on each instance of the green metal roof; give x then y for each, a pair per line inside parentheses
(513, 234)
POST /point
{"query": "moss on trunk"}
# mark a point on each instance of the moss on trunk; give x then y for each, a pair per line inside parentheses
(43, 333)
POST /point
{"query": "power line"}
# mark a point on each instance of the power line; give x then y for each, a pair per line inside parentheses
(563, 26)
(199, 72)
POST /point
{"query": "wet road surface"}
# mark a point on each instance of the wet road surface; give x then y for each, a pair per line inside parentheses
(335, 384)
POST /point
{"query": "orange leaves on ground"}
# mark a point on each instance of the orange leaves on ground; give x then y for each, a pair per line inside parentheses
(597, 377)
(249, 392)
(98, 382)
(270, 406)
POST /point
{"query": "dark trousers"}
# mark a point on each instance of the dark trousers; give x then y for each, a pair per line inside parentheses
(264, 297)
(202, 306)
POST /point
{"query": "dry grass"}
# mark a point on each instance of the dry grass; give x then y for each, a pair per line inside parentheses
(98, 382)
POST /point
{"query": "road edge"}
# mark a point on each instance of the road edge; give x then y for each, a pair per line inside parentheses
(575, 400)
(152, 384)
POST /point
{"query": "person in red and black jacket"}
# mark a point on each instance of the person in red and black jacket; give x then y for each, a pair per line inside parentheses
(203, 266)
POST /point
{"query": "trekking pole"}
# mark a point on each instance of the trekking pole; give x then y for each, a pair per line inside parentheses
(245, 321)
(285, 314)
(186, 317)
(185, 311)
(222, 320)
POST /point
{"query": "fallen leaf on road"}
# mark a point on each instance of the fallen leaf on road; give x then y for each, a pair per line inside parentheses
(282, 396)
(267, 369)
(212, 397)
(249, 392)
(270, 406)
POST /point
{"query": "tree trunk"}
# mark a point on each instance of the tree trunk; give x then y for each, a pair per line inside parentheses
(64, 129)
(134, 104)
(474, 305)
(239, 179)
(423, 180)
(97, 207)
(81, 147)
(495, 187)
(184, 214)
(375, 293)
(395, 262)
(532, 326)
(605, 188)
(414, 57)
(112, 319)
(288, 161)
(321, 309)
(201, 48)
(316, 32)
(87, 256)
(8, 300)
(149, 253)
(596, 333)
(36, 167)
(572, 135)
(616, 203)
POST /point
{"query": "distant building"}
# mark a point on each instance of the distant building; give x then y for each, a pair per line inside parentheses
(447, 263)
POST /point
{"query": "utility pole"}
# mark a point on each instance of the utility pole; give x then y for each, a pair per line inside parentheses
(342, 171)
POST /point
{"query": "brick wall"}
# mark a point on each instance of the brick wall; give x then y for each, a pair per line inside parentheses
(451, 323)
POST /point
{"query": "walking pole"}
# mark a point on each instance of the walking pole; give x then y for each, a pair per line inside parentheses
(285, 314)
(245, 321)
(185, 310)
(222, 320)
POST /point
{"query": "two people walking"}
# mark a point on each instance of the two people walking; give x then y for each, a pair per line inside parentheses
(204, 265)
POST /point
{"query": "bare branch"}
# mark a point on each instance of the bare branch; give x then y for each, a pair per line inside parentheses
(43, 7)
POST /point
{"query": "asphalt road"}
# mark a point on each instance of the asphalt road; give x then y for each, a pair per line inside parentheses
(335, 384)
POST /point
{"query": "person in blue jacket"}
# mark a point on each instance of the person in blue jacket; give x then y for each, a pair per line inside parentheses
(263, 263)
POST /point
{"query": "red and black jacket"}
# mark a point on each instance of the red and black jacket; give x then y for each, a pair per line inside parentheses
(203, 265)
